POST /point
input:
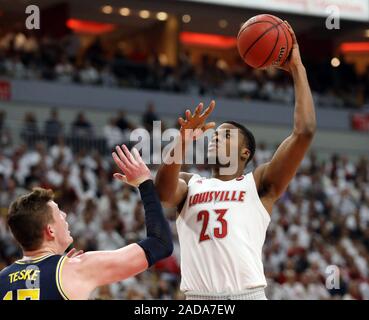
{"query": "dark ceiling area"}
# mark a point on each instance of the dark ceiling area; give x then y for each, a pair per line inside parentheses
(204, 18)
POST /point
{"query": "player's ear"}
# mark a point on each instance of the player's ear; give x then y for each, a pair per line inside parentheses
(49, 232)
(245, 153)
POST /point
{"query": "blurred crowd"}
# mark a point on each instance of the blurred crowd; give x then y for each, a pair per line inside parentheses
(79, 134)
(317, 244)
(64, 60)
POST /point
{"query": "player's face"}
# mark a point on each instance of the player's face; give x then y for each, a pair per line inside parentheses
(60, 227)
(226, 141)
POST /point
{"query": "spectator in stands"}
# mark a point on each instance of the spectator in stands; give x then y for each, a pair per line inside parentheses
(14, 67)
(6, 166)
(89, 74)
(149, 116)
(322, 219)
(108, 78)
(123, 123)
(5, 133)
(113, 134)
(81, 127)
(30, 131)
(49, 58)
(72, 45)
(64, 70)
(53, 127)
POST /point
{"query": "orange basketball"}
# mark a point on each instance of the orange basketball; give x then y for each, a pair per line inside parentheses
(264, 40)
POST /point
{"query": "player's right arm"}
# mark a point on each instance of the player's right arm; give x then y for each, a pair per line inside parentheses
(170, 182)
(85, 272)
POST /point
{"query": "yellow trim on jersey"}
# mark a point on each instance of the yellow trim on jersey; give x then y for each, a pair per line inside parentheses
(39, 259)
(58, 277)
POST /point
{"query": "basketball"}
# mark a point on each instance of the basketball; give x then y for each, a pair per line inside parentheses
(264, 40)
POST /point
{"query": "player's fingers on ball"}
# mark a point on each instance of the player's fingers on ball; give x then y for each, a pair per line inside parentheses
(290, 30)
(288, 25)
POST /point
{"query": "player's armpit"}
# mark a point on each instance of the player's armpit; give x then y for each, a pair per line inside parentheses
(98, 268)
(272, 178)
(173, 199)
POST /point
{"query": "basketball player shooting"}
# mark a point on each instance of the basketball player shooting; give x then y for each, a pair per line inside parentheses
(223, 220)
(39, 226)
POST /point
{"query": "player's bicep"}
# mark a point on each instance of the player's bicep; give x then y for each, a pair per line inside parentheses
(106, 267)
(277, 174)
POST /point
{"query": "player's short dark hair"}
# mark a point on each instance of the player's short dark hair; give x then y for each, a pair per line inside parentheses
(249, 138)
(28, 215)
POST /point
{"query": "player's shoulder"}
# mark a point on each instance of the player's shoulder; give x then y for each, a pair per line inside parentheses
(6, 270)
(186, 176)
(258, 173)
(4, 273)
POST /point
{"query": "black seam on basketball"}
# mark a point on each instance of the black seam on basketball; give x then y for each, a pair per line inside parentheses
(271, 52)
(262, 35)
(285, 35)
(251, 24)
(274, 18)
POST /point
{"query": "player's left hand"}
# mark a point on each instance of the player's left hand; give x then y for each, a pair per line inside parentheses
(134, 169)
(294, 58)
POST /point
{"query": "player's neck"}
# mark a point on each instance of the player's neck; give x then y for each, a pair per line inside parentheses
(32, 254)
(215, 173)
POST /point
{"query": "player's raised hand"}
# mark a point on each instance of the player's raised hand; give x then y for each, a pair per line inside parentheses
(134, 169)
(195, 124)
(294, 58)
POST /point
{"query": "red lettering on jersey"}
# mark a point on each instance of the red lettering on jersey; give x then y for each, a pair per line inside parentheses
(190, 202)
(203, 215)
(196, 198)
(217, 193)
(226, 198)
(234, 196)
(202, 197)
(211, 196)
(221, 196)
(221, 232)
(217, 196)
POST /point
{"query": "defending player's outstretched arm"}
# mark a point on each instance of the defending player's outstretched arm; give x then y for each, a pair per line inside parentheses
(273, 177)
(85, 272)
(169, 177)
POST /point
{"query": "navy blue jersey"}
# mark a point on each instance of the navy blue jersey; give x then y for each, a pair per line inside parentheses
(37, 279)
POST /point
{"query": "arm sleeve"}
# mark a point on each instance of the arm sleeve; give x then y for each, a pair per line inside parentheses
(158, 243)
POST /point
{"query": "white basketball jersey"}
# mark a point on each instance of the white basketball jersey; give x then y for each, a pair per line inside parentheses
(221, 231)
